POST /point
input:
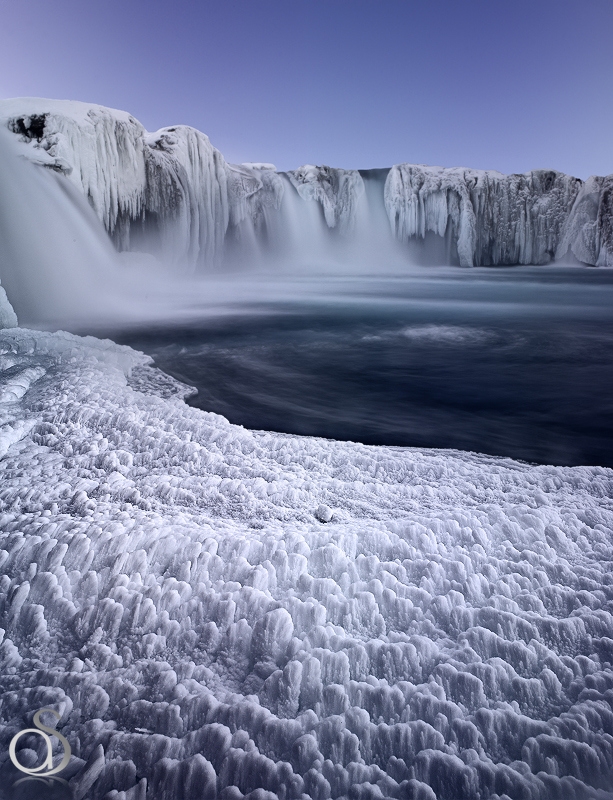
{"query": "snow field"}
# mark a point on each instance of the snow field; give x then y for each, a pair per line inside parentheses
(170, 585)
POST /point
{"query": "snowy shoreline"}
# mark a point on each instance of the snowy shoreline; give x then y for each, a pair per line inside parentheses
(169, 585)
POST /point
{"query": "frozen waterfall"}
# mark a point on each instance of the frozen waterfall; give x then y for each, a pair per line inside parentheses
(172, 194)
(56, 263)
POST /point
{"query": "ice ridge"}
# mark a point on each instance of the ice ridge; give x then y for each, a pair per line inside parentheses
(222, 613)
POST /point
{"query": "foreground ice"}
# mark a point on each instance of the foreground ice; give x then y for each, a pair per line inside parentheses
(219, 612)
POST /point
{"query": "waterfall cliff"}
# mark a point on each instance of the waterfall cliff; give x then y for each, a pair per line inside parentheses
(172, 193)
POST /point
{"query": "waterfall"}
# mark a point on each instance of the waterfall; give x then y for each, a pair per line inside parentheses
(57, 264)
(102, 186)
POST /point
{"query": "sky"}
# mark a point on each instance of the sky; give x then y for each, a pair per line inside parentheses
(510, 85)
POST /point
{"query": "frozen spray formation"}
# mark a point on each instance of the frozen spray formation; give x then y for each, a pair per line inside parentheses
(8, 318)
(221, 613)
(173, 192)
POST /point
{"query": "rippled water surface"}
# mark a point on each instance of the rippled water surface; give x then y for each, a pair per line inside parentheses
(508, 362)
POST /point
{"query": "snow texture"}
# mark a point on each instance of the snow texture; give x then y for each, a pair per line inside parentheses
(173, 188)
(218, 612)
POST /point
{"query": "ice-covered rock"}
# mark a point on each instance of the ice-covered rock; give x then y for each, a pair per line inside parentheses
(186, 194)
(337, 190)
(170, 186)
(169, 587)
(172, 192)
(255, 190)
(588, 230)
(101, 150)
(492, 219)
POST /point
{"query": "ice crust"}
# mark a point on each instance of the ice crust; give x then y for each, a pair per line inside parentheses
(174, 186)
(218, 612)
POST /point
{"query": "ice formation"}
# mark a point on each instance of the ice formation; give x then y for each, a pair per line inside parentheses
(337, 190)
(588, 231)
(217, 612)
(57, 265)
(171, 184)
(101, 150)
(255, 192)
(8, 318)
(494, 219)
(174, 192)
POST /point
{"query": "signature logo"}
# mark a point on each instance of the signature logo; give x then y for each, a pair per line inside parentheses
(46, 768)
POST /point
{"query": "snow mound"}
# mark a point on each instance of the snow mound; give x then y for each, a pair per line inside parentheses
(218, 612)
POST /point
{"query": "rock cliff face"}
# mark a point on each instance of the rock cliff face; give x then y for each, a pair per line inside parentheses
(174, 192)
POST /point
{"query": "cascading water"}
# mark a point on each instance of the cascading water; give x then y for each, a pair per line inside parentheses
(325, 221)
(172, 194)
(220, 611)
(57, 264)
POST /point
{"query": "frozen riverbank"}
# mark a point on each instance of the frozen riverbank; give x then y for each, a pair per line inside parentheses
(218, 612)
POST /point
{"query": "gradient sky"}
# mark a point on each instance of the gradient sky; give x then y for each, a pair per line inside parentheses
(495, 84)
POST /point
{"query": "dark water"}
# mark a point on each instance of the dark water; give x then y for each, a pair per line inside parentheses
(508, 362)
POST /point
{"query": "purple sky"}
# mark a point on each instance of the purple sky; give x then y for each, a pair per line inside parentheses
(500, 84)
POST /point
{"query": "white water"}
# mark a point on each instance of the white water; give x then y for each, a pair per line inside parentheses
(57, 264)
(296, 238)
(290, 236)
(291, 617)
(60, 269)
